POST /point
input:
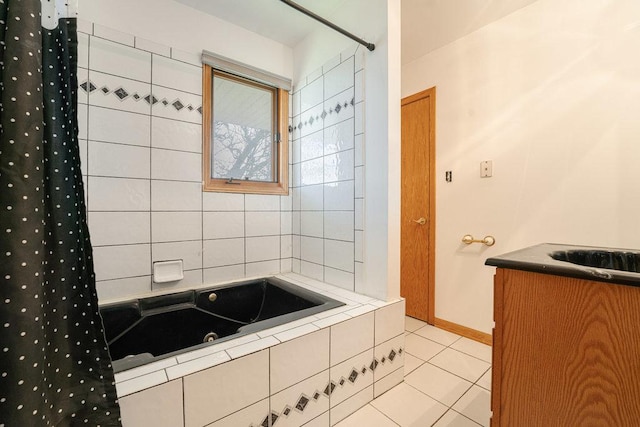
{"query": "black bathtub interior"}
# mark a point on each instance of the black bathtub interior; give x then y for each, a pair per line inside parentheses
(146, 329)
(612, 260)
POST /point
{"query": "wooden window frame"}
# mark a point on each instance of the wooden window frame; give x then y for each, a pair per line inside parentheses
(281, 185)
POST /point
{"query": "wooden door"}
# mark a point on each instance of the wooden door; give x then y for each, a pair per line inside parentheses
(417, 230)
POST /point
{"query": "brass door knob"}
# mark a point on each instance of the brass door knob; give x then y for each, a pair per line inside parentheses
(421, 221)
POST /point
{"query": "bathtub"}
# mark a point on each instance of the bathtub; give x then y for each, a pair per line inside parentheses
(306, 371)
(144, 330)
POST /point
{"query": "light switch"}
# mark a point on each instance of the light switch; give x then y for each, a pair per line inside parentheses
(486, 169)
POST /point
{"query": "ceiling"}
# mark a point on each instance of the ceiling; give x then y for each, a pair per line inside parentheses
(426, 24)
(269, 18)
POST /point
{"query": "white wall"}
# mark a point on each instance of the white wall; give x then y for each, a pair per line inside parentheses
(551, 94)
(173, 24)
(377, 22)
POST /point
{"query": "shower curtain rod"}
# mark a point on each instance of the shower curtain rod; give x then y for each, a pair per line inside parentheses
(329, 24)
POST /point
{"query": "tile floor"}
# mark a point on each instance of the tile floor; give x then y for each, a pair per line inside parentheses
(447, 383)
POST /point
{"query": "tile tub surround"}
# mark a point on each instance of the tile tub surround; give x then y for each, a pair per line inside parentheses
(328, 172)
(140, 114)
(140, 119)
(319, 369)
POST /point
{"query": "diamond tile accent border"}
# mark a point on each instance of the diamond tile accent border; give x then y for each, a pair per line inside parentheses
(352, 378)
(123, 95)
(304, 400)
(308, 121)
(302, 403)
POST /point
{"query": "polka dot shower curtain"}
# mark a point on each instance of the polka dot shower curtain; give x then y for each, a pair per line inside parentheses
(54, 363)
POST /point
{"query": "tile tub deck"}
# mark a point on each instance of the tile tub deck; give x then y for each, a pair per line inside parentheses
(315, 370)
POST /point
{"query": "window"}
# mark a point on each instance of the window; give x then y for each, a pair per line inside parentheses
(245, 132)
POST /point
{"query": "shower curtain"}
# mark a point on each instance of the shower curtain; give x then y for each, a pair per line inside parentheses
(55, 367)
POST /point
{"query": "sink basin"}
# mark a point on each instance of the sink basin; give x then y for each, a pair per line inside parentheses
(612, 260)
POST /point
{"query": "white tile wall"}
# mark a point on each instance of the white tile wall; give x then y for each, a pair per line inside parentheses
(339, 137)
(124, 161)
(107, 89)
(262, 248)
(119, 60)
(83, 50)
(223, 252)
(339, 78)
(113, 35)
(222, 202)
(176, 165)
(176, 135)
(131, 129)
(163, 226)
(167, 107)
(312, 356)
(177, 74)
(140, 124)
(262, 223)
(339, 255)
(349, 377)
(338, 225)
(158, 406)
(300, 399)
(114, 289)
(119, 228)
(223, 274)
(117, 262)
(311, 146)
(189, 252)
(311, 224)
(252, 415)
(223, 225)
(350, 338)
(216, 392)
(262, 268)
(339, 196)
(118, 194)
(176, 196)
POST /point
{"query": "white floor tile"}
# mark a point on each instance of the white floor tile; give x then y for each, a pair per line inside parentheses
(443, 386)
(411, 363)
(454, 419)
(438, 335)
(484, 381)
(367, 416)
(422, 347)
(463, 365)
(411, 324)
(409, 407)
(475, 404)
(473, 348)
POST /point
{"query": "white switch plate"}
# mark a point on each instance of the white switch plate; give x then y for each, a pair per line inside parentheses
(486, 169)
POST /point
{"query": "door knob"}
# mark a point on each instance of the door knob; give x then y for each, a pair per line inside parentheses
(421, 221)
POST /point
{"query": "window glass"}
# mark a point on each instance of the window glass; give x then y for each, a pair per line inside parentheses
(243, 130)
(245, 133)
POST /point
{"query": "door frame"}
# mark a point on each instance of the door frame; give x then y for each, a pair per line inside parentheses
(431, 259)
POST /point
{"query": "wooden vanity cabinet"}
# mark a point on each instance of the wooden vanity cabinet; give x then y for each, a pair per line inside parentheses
(566, 351)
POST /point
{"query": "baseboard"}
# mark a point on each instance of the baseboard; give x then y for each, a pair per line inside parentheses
(472, 334)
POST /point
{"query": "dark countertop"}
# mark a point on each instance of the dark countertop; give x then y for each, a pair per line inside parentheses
(601, 264)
